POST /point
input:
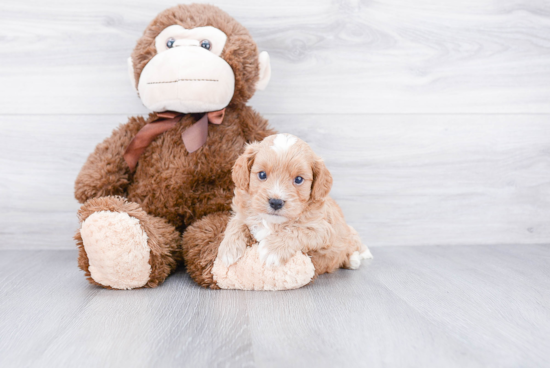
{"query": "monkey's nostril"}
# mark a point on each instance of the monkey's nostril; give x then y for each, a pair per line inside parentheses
(276, 204)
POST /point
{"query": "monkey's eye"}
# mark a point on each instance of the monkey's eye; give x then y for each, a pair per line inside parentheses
(298, 180)
(170, 42)
(206, 44)
(262, 175)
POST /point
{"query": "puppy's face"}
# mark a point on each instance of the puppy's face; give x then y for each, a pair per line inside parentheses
(282, 177)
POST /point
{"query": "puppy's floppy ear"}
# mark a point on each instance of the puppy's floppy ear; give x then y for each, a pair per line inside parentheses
(241, 169)
(322, 181)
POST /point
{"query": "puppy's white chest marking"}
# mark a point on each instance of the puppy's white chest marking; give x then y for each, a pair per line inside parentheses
(283, 142)
(260, 231)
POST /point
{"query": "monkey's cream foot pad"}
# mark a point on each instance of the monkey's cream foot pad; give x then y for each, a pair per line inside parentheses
(250, 273)
(117, 250)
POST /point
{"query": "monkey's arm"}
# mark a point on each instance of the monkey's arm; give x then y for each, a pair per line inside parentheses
(105, 171)
(255, 127)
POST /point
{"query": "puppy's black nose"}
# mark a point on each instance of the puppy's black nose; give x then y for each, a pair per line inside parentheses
(276, 204)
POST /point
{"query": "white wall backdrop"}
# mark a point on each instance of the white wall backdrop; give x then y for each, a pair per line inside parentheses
(433, 115)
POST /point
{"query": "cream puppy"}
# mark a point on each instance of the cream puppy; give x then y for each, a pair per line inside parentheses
(282, 199)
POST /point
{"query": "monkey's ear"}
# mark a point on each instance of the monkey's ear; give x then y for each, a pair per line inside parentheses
(241, 169)
(131, 73)
(265, 71)
(322, 181)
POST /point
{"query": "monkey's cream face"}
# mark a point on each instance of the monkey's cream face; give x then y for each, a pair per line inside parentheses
(188, 74)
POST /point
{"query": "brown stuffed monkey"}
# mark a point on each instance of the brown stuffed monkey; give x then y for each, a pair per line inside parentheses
(195, 67)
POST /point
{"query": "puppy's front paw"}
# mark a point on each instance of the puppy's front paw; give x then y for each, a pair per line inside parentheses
(228, 257)
(274, 254)
(269, 258)
(230, 251)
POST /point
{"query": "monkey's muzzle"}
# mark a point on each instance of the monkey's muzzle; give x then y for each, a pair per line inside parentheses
(186, 80)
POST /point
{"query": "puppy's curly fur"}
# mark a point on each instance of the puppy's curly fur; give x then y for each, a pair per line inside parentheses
(282, 197)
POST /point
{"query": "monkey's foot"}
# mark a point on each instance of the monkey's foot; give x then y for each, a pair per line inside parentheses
(123, 247)
(250, 273)
(117, 250)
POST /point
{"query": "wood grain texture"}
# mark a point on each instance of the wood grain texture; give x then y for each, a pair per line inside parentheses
(401, 180)
(391, 56)
(470, 306)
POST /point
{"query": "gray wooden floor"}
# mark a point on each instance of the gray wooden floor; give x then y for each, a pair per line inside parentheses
(462, 306)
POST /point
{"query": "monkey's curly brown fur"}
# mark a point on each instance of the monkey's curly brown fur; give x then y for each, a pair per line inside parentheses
(171, 188)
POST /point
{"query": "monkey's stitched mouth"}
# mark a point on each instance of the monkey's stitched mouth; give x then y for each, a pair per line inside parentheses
(186, 80)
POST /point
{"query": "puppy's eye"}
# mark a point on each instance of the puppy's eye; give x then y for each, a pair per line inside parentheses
(170, 42)
(298, 180)
(262, 175)
(206, 44)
